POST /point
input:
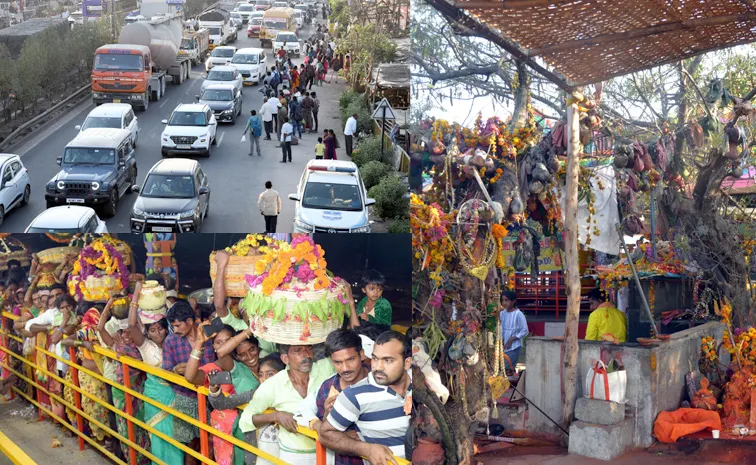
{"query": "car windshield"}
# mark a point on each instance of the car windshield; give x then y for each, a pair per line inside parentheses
(325, 196)
(88, 156)
(215, 31)
(236, 15)
(217, 95)
(117, 61)
(215, 75)
(245, 59)
(34, 229)
(223, 52)
(187, 44)
(287, 38)
(101, 122)
(247, 8)
(168, 186)
(187, 118)
(275, 23)
(255, 21)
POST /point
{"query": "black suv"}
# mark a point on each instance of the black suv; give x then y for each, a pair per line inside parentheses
(98, 167)
(224, 99)
(175, 197)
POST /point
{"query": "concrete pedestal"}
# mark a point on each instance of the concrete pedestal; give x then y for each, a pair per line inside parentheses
(604, 442)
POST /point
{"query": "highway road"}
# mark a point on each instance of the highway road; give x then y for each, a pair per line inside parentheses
(236, 179)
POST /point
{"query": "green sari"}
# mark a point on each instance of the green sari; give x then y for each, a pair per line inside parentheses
(161, 391)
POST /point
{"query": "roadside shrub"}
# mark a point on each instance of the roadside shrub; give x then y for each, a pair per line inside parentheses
(345, 99)
(390, 200)
(373, 171)
(364, 120)
(369, 149)
(401, 226)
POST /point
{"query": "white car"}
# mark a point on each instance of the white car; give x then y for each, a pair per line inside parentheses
(220, 56)
(68, 219)
(289, 41)
(299, 18)
(246, 11)
(224, 75)
(331, 198)
(190, 130)
(280, 5)
(112, 115)
(251, 63)
(15, 187)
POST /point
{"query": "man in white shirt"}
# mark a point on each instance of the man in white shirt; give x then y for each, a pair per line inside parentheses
(349, 130)
(514, 327)
(267, 116)
(274, 104)
(269, 203)
(287, 130)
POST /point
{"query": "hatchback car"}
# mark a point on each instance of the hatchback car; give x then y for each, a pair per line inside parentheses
(254, 26)
(289, 41)
(331, 198)
(252, 64)
(262, 5)
(224, 75)
(190, 130)
(175, 197)
(69, 219)
(220, 56)
(112, 115)
(15, 187)
(225, 101)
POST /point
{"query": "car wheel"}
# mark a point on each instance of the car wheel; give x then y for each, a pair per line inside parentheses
(27, 194)
(112, 206)
(215, 142)
(146, 103)
(132, 179)
(233, 119)
(2, 214)
(135, 140)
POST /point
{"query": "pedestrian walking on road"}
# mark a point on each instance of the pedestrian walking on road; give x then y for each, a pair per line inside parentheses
(350, 129)
(275, 106)
(267, 117)
(254, 128)
(319, 149)
(307, 105)
(287, 131)
(297, 115)
(315, 109)
(269, 204)
(324, 13)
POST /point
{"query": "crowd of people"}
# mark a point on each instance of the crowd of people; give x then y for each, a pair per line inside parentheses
(354, 390)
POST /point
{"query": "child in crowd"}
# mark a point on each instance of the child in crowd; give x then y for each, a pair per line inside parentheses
(267, 436)
(373, 307)
(319, 149)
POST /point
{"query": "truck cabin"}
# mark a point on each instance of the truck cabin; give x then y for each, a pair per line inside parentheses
(119, 58)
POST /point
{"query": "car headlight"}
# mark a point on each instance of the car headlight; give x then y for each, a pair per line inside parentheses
(137, 212)
(302, 225)
(61, 185)
(187, 214)
(227, 112)
(363, 229)
(95, 186)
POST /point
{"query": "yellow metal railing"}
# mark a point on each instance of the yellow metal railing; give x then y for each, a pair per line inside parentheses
(129, 363)
(13, 452)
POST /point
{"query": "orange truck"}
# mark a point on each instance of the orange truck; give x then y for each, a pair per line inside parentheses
(136, 69)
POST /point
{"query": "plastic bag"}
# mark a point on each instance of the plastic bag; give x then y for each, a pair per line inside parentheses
(603, 385)
(244, 138)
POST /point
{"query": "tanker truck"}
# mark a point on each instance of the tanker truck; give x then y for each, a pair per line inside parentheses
(136, 69)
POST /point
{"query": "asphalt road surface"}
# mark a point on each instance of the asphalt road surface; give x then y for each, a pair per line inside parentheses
(236, 179)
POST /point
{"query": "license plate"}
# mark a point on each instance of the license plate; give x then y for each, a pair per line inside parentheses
(116, 100)
(185, 147)
(161, 229)
(75, 200)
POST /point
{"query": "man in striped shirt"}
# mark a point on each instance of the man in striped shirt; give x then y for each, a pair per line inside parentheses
(376, 405)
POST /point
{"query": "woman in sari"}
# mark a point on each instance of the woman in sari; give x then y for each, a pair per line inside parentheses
(123, 344)
(335, 144)
(294, 77)
(330, 145)
(149, 342)
(84, 340)
(226, 417)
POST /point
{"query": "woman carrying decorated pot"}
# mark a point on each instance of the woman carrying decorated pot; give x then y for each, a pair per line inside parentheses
(243, 384)
(148, 330)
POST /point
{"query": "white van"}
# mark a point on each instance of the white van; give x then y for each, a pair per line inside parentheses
(251, 63)
(115, 116)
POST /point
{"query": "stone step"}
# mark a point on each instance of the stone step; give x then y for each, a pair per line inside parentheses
(603, 442)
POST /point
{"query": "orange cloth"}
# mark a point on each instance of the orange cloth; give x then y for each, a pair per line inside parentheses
(669, 426)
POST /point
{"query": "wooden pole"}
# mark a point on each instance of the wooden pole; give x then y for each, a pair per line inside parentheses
(572, 266)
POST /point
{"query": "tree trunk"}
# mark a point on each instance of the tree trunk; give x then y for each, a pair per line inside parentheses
(572, 266)
(521, 98)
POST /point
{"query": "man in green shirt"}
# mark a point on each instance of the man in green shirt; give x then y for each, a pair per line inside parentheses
(284, 392)
(373, 307)
(223, 311)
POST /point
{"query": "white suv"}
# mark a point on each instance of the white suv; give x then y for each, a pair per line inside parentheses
(15, 187)
(220, 56)
(331, 198)
(112, 115)
(68, 219)
(289, 41)
(190, 130)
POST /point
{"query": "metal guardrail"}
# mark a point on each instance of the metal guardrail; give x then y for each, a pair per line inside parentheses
(129, 363)
(13, 452)
(32, 121)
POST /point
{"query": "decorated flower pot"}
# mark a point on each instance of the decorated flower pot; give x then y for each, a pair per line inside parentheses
(56, 255)
(99, 273)
(152, 296)
(120, 308)
(242, 262)
(94, 288)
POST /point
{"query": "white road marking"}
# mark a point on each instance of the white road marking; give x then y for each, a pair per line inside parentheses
(220, 141)
(165, 100)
